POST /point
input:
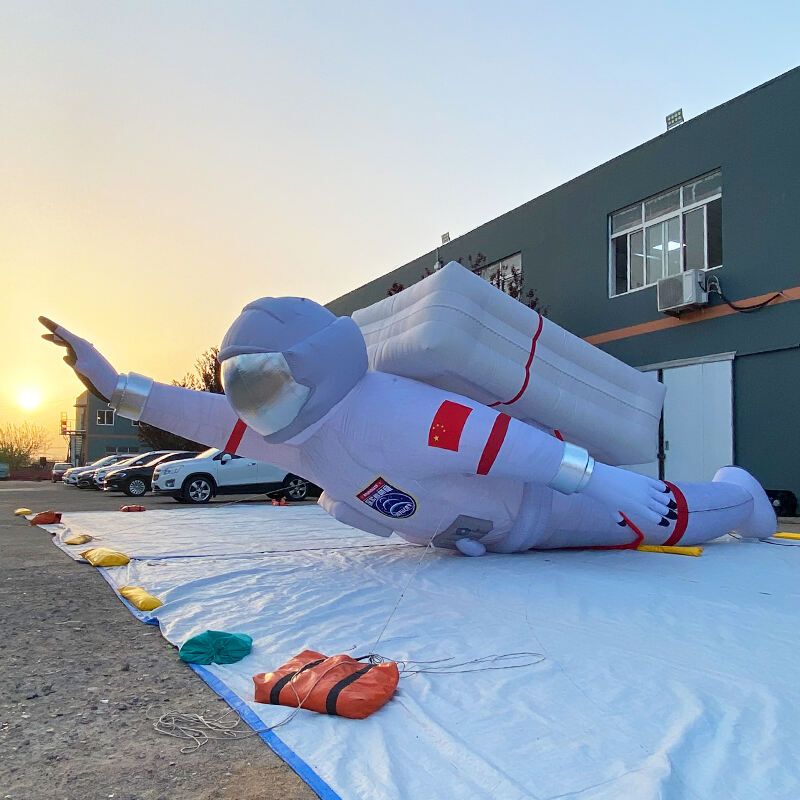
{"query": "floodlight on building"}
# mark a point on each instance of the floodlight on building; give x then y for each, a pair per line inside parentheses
(674, 119)
(446, 238)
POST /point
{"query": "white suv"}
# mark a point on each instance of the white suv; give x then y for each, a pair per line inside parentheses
(197, 480)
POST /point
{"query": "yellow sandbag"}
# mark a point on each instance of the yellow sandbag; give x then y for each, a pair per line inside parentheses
(785, 535)
(22, 512)
(138, 597)
(104, 557)
(79, 538)
(676, 550)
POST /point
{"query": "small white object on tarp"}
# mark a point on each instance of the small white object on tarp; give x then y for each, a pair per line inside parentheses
(662, 675)
(457, 332)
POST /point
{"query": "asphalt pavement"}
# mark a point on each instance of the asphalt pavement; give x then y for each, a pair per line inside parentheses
(82, 681)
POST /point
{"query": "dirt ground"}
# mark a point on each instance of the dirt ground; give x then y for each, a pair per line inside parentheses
(81, 681)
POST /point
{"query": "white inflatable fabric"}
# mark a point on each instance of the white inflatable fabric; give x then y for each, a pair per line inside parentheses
(456, 331)
(397, 455)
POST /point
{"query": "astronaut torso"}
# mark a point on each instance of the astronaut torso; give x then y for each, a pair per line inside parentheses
(375, 453)
(393, 454)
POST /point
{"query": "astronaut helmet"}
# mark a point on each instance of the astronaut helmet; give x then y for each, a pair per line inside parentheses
(286, 361)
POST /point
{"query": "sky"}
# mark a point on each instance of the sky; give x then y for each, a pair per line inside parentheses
(164, 163)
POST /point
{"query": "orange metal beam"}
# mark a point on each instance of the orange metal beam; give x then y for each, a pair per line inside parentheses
(787, 296)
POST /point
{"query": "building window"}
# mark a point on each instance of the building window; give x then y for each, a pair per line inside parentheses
(105, 416)
(110, 451)
(663, 235)
(505, 274)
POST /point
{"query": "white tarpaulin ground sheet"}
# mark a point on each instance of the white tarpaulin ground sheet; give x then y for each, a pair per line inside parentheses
(663, 676)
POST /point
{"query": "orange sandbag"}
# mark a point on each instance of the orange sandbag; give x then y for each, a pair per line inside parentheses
(46, 518)
(329, 685)
(132, 508)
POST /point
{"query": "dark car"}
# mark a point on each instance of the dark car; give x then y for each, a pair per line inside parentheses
(59, 468)
(87, 476)
(135, 480)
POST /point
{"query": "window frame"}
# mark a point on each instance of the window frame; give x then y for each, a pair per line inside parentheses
(511, 262)
(644, 225)
(105, 412)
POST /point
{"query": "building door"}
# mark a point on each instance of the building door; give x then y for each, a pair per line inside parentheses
(697, 429)
(698, 420)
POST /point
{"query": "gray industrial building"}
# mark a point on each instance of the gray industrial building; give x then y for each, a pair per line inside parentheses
(719, 193)
(100, 432)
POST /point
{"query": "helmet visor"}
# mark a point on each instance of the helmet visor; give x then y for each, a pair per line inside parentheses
(261, 389)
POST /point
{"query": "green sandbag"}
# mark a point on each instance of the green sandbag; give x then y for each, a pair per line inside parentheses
(216, 647)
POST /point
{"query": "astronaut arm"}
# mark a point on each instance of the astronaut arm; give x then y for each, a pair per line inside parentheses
(471, 438)
(199, 416)
(437, 435)
(568, 469)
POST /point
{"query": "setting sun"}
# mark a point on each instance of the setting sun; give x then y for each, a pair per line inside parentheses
(29, 398)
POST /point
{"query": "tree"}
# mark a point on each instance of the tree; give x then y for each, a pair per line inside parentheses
(18, 443)
(206, 375)
(204, 378)
(157, 439)
(476, 263)
(511, 284)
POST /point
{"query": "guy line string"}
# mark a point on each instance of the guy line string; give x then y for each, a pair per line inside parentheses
(202, 729)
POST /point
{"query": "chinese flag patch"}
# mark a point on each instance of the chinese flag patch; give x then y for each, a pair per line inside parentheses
(447, 425)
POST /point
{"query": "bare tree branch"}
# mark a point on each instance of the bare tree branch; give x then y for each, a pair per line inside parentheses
(18, 443)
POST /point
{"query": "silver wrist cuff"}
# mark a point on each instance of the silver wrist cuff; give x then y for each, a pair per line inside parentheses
(130, 395)
(574, 471)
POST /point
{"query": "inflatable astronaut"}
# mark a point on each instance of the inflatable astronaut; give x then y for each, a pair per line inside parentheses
(395, 454)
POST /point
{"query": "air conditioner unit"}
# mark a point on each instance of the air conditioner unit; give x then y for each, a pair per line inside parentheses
(683, 291)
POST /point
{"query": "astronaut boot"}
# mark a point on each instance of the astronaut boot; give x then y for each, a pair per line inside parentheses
(698, 512)
(732, 502)
(761, 523)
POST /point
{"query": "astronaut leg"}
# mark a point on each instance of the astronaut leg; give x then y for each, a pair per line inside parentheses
(533, 523)
(732, 501)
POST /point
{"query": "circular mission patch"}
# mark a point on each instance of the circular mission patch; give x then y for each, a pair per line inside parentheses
(388, 500)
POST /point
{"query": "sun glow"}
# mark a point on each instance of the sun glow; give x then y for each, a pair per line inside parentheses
(29, 398)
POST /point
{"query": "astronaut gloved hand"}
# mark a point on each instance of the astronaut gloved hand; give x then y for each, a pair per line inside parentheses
(620, 491)
(636, 496)
(96, 374)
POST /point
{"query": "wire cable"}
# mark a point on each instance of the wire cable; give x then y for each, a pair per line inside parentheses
(443, 666)
(201, 729)
(714, 286)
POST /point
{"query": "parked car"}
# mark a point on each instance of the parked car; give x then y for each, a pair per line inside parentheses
(136, 480)
(59, 468)
(214, 472)
(71, 476)
(94, 478)
(5, 471)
